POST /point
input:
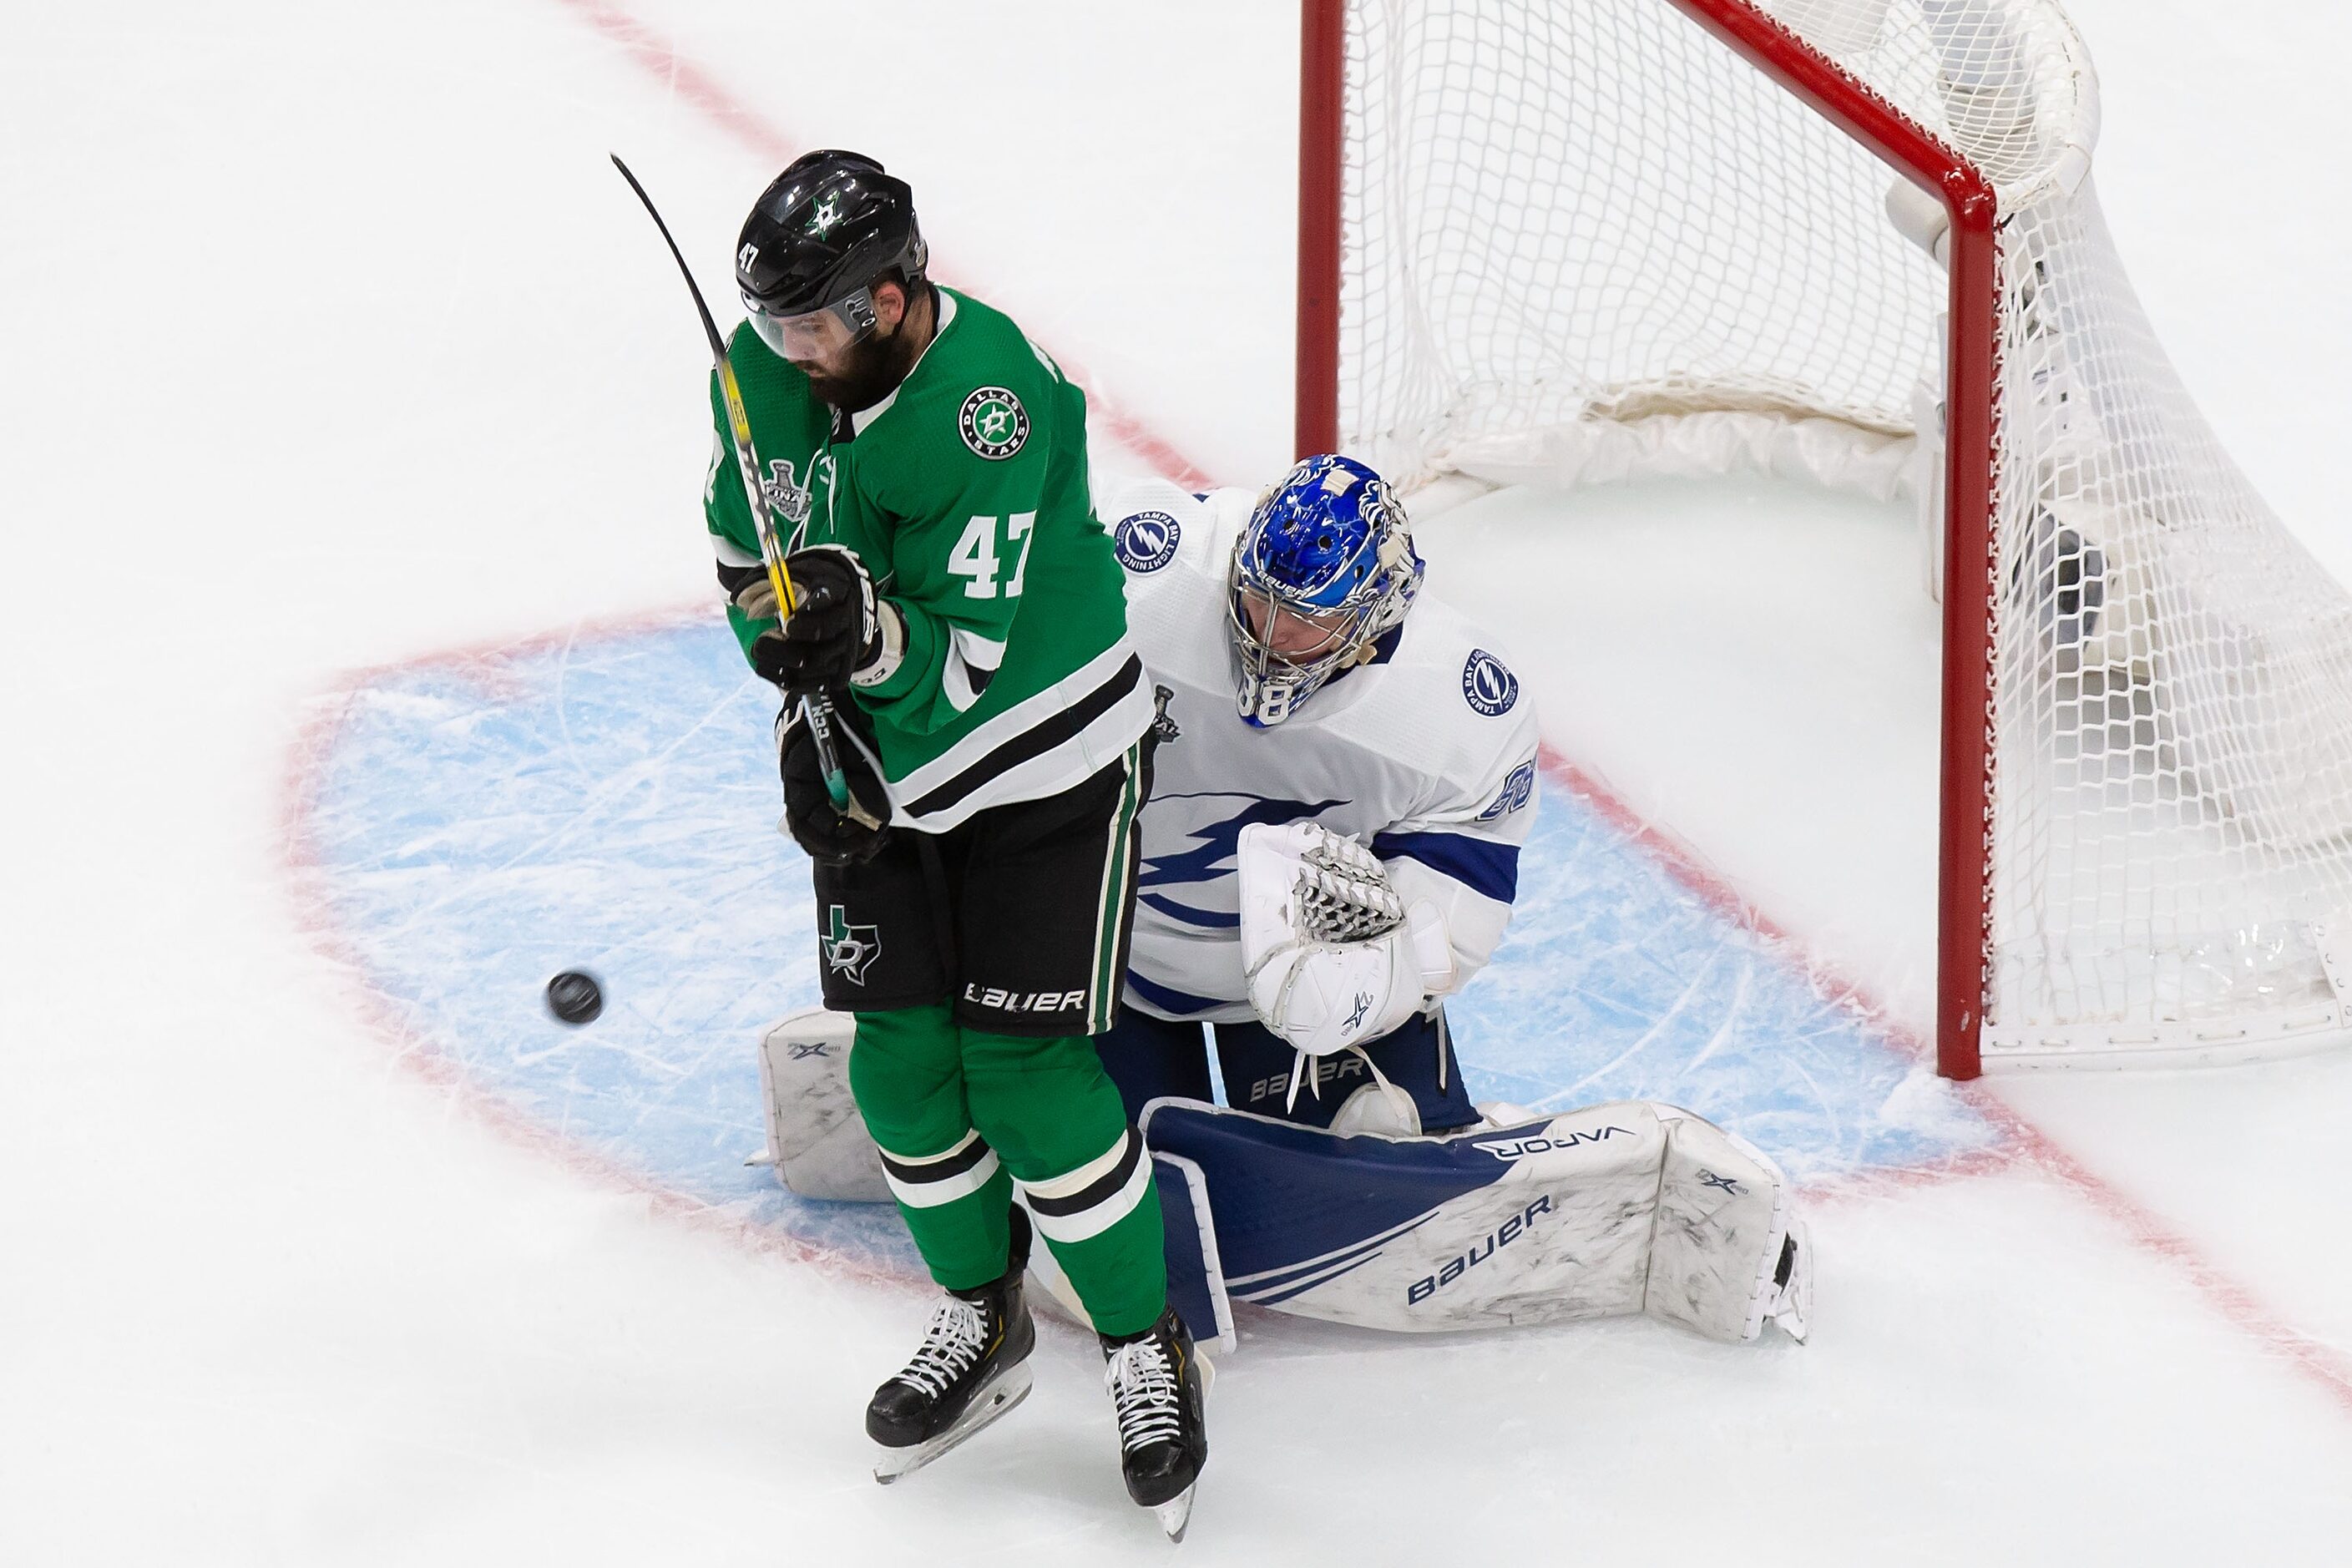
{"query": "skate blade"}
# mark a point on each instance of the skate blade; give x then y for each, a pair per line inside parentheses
(992, 1405)
(1176, 1514)
(1795, 1315)
(1795, 1325)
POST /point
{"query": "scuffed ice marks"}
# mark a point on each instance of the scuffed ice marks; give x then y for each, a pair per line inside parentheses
(610, 803)
(1619, 982)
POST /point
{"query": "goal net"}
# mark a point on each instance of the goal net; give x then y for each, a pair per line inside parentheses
(1857, 240)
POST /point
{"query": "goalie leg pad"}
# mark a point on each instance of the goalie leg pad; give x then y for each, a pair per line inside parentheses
(1723, 1218)
(1545, 1222)
(1196, 1279)
(1196, 1273)
(816, 1139)
(1615, 1209)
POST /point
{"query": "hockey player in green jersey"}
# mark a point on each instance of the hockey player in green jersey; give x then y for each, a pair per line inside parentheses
(960, 612)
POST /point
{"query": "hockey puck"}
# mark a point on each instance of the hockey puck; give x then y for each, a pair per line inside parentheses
(576, 998)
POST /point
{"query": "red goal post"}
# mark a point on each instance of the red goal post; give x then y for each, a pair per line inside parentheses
(2084, 968)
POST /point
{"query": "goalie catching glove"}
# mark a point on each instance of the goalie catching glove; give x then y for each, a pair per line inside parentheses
(1332, 956)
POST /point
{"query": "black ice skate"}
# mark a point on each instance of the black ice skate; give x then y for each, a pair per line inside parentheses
(1159, 1384)
(970, 1370)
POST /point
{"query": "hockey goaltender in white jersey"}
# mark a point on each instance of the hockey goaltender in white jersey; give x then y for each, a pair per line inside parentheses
(1425, 752)
(1415, 741)
(1345, 772)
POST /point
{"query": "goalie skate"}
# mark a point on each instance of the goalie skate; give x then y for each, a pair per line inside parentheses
(1791, 1305)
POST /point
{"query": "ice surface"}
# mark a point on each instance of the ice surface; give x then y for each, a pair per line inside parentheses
(333, 345)
(607, 802)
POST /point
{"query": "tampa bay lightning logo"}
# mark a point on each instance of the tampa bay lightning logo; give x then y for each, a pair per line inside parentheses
(1486, 685)
(1204, 869)
(1146, 541)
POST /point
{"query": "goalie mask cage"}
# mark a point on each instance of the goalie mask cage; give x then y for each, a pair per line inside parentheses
(1857, 240)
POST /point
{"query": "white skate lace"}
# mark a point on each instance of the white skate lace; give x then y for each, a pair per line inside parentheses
(958, 1335)
(1142, 1383)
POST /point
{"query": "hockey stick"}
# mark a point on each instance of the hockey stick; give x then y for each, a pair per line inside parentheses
(818, 709)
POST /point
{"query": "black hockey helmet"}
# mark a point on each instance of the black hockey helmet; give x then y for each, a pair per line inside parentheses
(819, 238)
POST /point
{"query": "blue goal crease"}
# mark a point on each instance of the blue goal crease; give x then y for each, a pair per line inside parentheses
(611, 804)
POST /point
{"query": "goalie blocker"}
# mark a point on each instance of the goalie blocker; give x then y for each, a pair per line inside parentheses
(1628, 1208)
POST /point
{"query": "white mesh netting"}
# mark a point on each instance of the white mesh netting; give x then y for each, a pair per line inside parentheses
(1591, 241)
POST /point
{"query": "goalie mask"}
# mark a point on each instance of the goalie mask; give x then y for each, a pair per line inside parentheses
(1324, 569)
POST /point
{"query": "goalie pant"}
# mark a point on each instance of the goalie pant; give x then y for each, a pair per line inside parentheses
(1156, 1059)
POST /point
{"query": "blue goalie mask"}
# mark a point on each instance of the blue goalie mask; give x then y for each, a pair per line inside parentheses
(1325, 568)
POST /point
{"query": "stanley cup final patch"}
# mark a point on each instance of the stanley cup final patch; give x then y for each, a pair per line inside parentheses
(993, 423)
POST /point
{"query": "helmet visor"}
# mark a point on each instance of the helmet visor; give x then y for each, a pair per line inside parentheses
(813, 336)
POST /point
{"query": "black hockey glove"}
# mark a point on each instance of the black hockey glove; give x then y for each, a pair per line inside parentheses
(839, 633)
(816, 825)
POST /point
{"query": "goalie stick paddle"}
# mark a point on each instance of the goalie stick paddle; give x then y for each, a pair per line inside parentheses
(818, 709)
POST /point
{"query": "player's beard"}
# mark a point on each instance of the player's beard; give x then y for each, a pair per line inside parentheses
(877, 364)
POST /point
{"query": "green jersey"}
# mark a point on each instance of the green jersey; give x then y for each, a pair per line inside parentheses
(964, 492)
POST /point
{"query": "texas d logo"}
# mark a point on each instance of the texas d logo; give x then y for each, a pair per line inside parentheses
(848, 948)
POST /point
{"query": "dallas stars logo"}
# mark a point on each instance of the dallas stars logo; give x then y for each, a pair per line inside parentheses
(993, 423)
(828, 214)
(850, 949)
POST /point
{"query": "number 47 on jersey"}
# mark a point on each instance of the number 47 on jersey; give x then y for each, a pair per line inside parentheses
(976, 556)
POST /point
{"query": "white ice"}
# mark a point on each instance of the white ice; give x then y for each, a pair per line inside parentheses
(329, 339)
